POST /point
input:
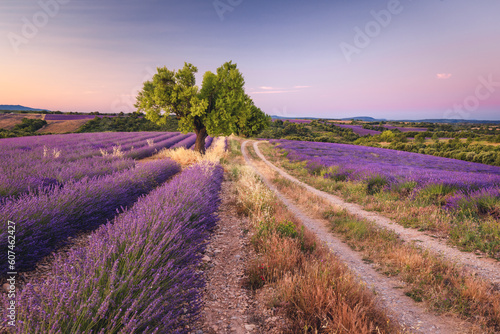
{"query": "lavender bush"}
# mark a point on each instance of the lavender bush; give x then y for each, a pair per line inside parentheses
(137, 274)
(45, 220)
(208, 143)
(481, 202)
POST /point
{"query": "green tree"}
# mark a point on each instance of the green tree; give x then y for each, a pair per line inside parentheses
(420, 138)
(253, 122)
(30, 125)
(400, 138)
(221, 107)
(387, 136)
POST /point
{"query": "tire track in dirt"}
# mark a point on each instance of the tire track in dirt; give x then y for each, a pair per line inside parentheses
(487, 268)
(400, 307)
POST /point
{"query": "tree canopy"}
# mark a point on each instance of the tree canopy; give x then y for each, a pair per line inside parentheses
(221, 107)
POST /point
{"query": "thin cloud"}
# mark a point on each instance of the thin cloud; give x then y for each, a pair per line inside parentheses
(274, 92)
(443, 76)
(277, 90)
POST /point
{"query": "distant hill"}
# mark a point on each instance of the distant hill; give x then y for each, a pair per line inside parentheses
(285, 118)
(364, 119)
(359, 118)
(371, 119)
(18, 108)
(444, 120)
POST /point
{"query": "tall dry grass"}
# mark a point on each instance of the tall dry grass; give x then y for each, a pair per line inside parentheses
(445, 286)
(186, 157)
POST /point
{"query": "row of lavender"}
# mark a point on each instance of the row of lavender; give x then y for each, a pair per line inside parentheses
(44, 161)
(398, 170)
(138, 273)
(45, 220)
(358, 129)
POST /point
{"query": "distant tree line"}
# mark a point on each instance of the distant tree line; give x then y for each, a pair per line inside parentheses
(455, 149)
(131, 123)
(317, 130)
(443, 144)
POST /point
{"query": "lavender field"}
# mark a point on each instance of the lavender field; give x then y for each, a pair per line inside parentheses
(147, 224)
(34, 163)
(53, 187)
(138, 273)
(45, 220)
(463, 182)
(358, 129)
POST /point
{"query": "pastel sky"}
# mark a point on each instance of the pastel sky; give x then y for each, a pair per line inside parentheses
(319, 58)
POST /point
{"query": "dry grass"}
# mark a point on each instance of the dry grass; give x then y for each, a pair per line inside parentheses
(444, 286)
(318, 300)
(187, 157)
(8, 121)
(65, 126)
(316, 292)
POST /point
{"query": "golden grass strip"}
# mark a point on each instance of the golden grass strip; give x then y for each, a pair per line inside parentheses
(186, 157)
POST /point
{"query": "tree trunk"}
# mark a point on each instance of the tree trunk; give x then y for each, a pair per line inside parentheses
(199, 145)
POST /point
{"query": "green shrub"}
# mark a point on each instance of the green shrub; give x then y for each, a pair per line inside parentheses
(286, 229)
(375, 184)
(405, 188)
(436, 193)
